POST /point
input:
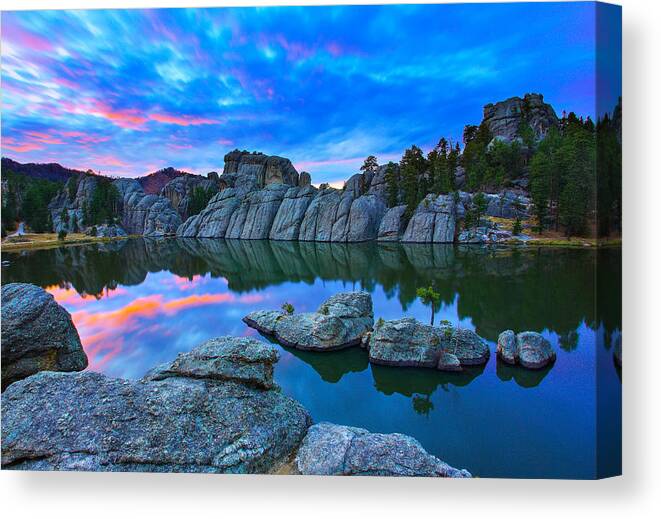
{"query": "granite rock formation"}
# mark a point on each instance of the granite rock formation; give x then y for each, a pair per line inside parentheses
(140, 213)
(208, 411)
(340, 322)
(505, 117)
(337, 450)
(37, 334)
(408, 342)
(180, 189)
(528, 349)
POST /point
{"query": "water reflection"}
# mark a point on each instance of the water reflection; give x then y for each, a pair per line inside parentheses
(138, 303)
(496, 289)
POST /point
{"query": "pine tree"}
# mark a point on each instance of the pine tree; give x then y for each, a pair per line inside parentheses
(370, 165)
(392, 189)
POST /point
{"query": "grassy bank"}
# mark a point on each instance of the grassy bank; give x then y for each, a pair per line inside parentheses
(50, 240)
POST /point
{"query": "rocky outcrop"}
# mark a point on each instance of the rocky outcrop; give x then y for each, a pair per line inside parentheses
(153, 183)
(528, 349)
(148, 215)
(37, 334)
(393, 224)
(180, 190)
(68, 207)
(434, 221)
(206, 412)
(508, 204)
(259, 168)
(408, 342)
(505, 117)
(337, 450)
(340, 322)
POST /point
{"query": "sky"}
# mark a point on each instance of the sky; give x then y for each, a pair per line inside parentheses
(127, 92)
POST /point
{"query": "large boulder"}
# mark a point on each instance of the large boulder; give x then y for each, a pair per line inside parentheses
(37, 334)
(508, 204)
(433, 221)
(203, 413)
(408, 342)
(528, 349)
(337, 450)
(340, 322)
(239, 359)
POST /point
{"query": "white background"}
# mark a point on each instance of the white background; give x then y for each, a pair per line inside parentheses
(637, 493)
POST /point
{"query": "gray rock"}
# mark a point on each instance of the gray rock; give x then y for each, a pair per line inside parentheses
(504, 205)
(193, 420)
(67, 212)
(340, 322)
(213, 220)
(317, 224)
(263, 168)
(433, 221)
(365, 218)
(408, 342)
(262, 207)
(392, 225)
(180, 189)
(528, 349)
(336, 450)
(304, 179)
(288, 219)
(239, 359)
(504, 118)
(106, 231)
(149, 215)
(37, 334)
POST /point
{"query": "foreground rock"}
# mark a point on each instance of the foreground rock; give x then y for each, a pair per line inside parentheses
(529, 349)
(336, 450)
(408, 342)
(203, 413)
(237, 359)
(37, 334)
(340, 322)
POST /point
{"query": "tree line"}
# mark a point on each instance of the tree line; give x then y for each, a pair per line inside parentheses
(573, 173)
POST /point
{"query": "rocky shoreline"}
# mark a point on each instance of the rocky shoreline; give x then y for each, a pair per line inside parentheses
(216, 408)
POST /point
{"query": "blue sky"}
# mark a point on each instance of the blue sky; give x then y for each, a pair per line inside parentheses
(126, 92)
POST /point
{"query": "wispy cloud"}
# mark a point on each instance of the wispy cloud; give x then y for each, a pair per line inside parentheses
(122, 91)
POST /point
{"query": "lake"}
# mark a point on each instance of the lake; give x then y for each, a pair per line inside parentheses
(137, 303)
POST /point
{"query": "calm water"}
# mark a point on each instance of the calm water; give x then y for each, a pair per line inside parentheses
(138, 303)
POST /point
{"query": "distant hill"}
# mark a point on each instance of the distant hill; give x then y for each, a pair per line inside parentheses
(151, 183)
(53, 172)
(154, 182)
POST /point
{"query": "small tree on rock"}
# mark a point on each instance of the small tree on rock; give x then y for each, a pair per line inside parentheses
(429, 296)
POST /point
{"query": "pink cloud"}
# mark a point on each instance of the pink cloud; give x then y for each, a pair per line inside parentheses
(15, 34)
(11, 144)
(181, 120)
(226, 142)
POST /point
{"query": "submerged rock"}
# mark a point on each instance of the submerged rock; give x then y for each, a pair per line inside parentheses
(37, 334)
(529, 349)
(340, 322)
(202, 413)
(337, 450)
(408, 342)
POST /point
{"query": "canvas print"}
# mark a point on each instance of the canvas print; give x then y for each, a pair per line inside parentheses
(374, 240)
